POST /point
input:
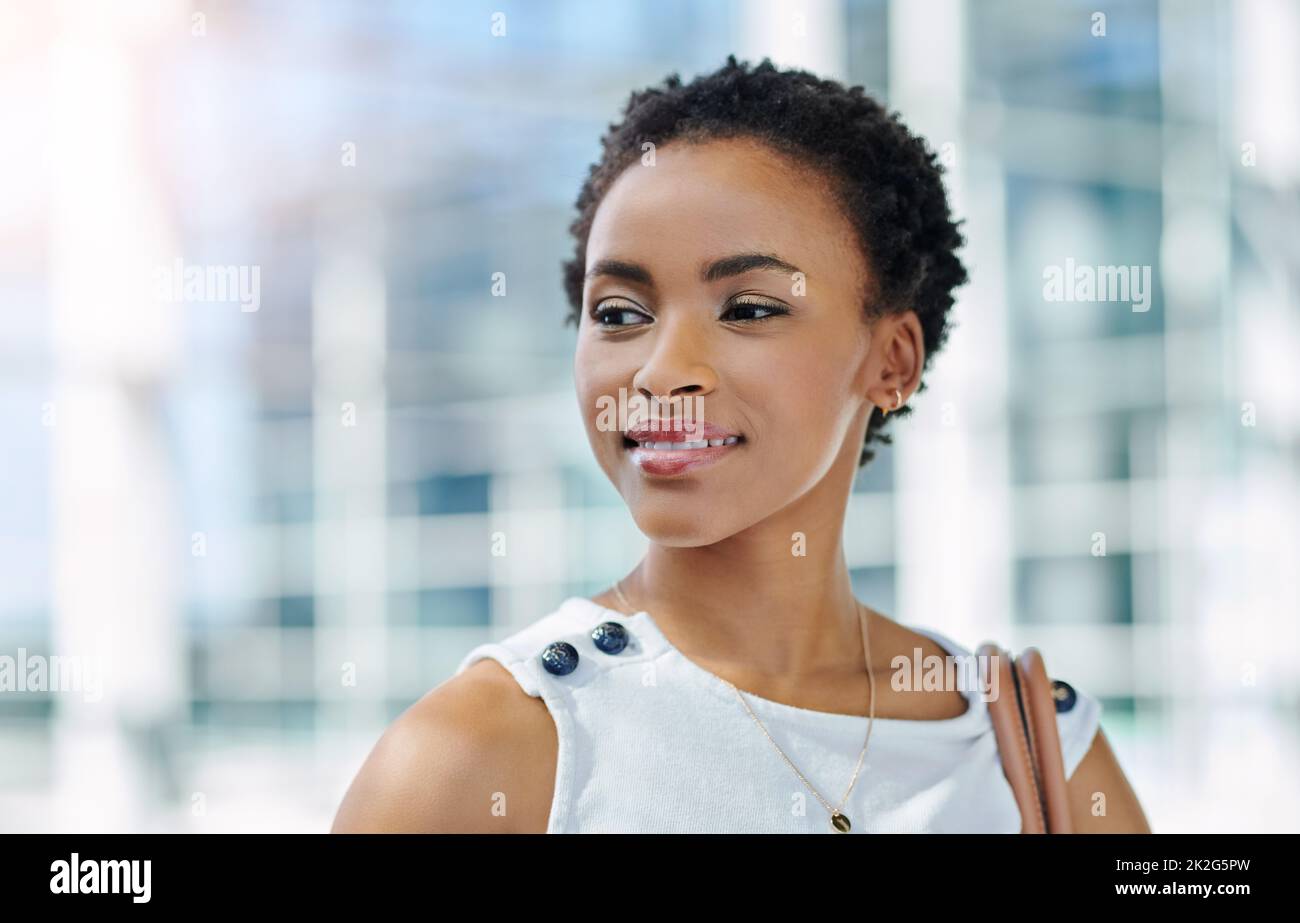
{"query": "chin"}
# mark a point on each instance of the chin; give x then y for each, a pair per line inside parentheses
(676, 530)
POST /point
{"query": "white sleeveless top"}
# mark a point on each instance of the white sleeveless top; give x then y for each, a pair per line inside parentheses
(651, 742)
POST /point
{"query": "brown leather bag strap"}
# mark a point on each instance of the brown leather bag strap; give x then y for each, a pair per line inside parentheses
(1012, 736)
(1040, 707)
(1023, 713)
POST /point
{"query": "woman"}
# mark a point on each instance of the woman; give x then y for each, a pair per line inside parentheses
(776, 251)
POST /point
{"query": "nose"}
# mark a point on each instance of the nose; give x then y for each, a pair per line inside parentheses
(677, 367)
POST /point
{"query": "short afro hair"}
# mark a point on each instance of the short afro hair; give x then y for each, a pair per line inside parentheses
(888, 182)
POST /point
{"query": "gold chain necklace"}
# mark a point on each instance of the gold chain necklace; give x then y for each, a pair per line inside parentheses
(839, 820)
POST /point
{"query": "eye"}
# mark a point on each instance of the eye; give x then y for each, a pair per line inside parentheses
(747, 310)
(612, 314)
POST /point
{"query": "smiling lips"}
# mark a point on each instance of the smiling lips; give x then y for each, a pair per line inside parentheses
(674, 447)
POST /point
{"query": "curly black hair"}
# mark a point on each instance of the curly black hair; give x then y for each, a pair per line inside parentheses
(887, 180)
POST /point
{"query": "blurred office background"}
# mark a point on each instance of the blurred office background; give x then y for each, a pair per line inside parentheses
(270, 523)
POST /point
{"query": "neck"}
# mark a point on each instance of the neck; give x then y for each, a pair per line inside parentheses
(748, 606)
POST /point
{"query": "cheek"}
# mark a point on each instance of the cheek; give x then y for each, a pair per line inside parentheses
(801, 399)
(591, 379)
(596, 381)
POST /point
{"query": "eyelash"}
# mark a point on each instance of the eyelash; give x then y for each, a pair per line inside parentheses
(774, 310)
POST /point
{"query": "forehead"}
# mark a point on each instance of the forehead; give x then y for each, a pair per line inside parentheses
(704, 200)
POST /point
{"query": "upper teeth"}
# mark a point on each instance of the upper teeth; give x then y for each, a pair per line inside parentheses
(695, 444)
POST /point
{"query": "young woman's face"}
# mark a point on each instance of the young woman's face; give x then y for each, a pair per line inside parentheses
(777, 355)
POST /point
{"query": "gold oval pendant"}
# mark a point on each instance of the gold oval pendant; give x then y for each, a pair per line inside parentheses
(840, 822)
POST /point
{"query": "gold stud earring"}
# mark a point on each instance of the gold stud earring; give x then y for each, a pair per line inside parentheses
(898, 402)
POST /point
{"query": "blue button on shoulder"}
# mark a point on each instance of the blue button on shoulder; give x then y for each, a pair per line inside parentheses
(610, 637)
(560, 658)
(1064, 695)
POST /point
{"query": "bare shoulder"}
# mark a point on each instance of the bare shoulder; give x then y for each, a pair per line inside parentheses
(476, 754)
(891, 640)
(1101, 798)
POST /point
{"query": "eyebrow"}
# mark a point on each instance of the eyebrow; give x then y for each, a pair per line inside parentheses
(723, 268)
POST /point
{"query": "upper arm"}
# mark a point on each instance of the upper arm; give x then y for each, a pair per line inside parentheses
(474, 755)
(1101, 798)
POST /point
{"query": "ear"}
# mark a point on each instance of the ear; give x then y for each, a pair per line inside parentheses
(898, 345)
